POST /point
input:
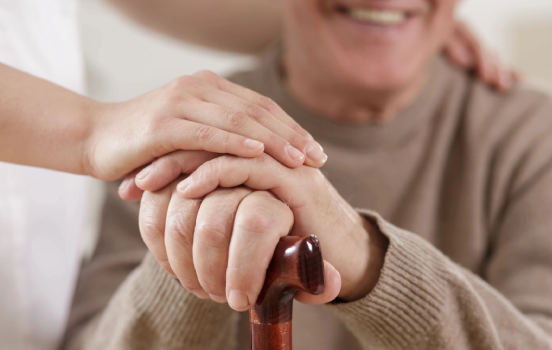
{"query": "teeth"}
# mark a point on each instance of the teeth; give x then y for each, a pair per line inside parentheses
(381, 17)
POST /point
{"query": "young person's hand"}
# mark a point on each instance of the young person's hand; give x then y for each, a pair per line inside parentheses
(466, 51)
(45, 125)
(198, 112)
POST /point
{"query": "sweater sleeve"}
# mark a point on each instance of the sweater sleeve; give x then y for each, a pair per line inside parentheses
(125, 301)
(423, 300)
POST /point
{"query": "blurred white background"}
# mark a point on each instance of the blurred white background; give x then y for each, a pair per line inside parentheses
(124, 60)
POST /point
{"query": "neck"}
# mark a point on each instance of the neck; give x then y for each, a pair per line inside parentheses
(345, 103)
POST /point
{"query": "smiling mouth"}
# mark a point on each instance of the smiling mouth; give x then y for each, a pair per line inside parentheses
(373, 16)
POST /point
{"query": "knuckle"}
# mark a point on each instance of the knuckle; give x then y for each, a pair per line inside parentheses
(207, 75)
(181, 89)
(216, 165)
(258, 113)
(267, 103)
(211, 167)
(177, 227)
(271, 206)
(183, 81)
(150, 226)
(211, 234)
(174, 97)
(205, 134)
(256, 221)
(236, 119)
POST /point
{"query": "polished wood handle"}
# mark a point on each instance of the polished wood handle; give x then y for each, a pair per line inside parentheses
(297, 264)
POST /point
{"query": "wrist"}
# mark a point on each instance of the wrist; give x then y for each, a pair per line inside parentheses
(92, 115)
(366, 267)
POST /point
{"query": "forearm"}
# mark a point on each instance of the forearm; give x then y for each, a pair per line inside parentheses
(42, 124)
(425, 301)
(244, 26)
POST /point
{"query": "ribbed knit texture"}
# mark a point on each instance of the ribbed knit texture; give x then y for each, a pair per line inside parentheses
(154, 312)
(407, 301)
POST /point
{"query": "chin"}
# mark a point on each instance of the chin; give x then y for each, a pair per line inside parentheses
(378, 74)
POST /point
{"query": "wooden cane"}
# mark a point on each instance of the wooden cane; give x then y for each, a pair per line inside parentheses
(296, 265)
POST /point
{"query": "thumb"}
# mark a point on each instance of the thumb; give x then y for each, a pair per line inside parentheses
(332, 280)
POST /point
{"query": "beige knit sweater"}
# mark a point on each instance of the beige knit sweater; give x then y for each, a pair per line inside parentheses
(461, 184)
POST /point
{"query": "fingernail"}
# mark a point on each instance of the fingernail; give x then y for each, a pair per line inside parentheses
(252, 144)
(181, 187)
(144, 172)
(315, 153)
(319, 145)
(294, 153)
(218, 298)
(237, 300)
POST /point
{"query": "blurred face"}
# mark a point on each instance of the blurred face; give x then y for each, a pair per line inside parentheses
(369, 44)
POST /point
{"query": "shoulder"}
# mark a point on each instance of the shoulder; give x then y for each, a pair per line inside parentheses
(488, 114)
(513, 130)
(489, 120)
(497, 114)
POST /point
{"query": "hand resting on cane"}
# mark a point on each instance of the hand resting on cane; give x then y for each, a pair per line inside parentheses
(350, 243)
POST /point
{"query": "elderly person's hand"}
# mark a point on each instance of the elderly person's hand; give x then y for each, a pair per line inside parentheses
(350, 243)
(220, 246)
(198, 112)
